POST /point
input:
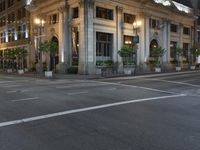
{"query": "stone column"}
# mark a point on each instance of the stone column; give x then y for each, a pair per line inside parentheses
(141, 45)
(86, 33)
(180, 43)
(147, 44)
(61, 67)
(168, 24)
(119, 42)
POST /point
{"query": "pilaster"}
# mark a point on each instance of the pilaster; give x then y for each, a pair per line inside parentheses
(86, 33)
(119, 43)
(142, 41)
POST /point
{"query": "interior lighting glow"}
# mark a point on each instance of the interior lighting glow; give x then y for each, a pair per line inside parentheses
(28, 2)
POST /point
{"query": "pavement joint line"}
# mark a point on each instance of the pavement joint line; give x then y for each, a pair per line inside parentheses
(175, 82)
(77, 93)
(78, 85)
(10, 86)
(11, 92)
(140, 87)
(23, 91)
(112, 89)
(3, 82)
(36, 118)
(25, 99)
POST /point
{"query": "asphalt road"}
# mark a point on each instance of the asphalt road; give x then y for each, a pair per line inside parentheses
(142, 113)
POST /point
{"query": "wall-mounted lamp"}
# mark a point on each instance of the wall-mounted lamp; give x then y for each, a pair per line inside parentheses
(136, 26)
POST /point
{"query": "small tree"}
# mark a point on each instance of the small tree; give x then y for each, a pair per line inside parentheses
(126, 53)
(51, 48)
(195, 52)
(21, 54)
(158, 53)
(178, 53)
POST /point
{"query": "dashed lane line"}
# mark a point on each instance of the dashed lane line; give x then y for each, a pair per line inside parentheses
(67, 112)
(25, 99)
(77, 93)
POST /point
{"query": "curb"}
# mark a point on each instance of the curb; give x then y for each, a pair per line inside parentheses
(151, 75)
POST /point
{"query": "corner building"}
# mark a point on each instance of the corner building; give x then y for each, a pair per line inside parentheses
(14, 28)
(89, 31)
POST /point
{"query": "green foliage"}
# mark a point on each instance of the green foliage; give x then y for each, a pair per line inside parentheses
(174, 61)
(129, 62)
(72, 70)
(107, 63)
(21, 53)
(126, 51)
(50, 46)
(178, 52)
(195, 51)
(157, 53)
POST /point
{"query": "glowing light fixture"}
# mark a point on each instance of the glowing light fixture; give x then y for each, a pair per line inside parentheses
(163, 2)
(28, 2)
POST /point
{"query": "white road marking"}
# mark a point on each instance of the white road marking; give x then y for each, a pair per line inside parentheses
(25, 120)
(10, 86)
(23, 91)
(112, 89)
(77, 93)
(25, 99)
(176, 82)
(2, 82)
(8, 92)
(140, 87)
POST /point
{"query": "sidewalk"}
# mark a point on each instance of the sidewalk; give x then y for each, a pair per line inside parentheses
(89, 77)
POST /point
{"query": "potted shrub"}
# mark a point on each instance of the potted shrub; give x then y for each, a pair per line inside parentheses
(7, 56)
(104, 67)
(178, 54)
(21, 54)
(127, 53)
(157, 54)
(195, 53)
(51, 49)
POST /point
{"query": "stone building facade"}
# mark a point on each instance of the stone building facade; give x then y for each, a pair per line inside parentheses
(14, 27)
(90, 31)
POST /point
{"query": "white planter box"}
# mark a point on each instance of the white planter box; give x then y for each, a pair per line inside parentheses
(98, 71)
(157, 69)
(25, 70)
(48, 73)
(21, 71)
(178, 68)
(9, 70)
(129, 71)
(198, 60)
(192, 67)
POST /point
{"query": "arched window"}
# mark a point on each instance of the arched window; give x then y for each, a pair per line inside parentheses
(153, 44)
(54, 59)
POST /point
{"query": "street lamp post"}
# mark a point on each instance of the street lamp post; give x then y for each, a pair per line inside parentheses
(40, 25)
(136, 39)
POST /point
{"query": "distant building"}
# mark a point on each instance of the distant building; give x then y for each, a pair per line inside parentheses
(14, 28)
(91, 31)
